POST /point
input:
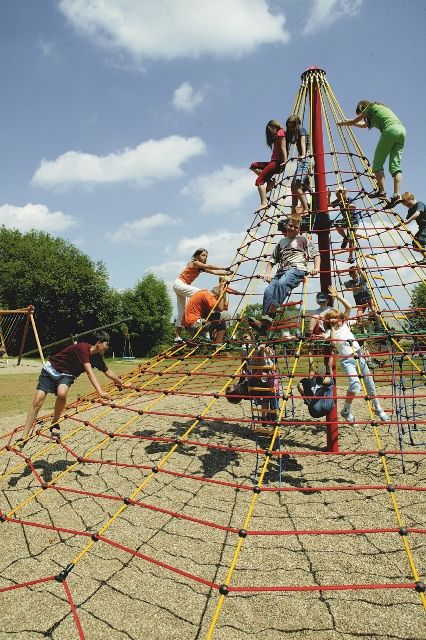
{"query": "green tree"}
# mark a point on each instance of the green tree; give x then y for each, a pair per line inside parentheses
(70, 293)
(417, 316)
(151, 308)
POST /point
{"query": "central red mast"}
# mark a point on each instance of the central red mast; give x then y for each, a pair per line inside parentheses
(315, 76)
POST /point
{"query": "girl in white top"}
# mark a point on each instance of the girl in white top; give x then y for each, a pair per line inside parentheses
(347, 347)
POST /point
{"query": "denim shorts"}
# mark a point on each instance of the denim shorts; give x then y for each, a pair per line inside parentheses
(49, 385)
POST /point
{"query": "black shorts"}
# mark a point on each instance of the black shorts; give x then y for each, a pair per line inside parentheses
(50, 385)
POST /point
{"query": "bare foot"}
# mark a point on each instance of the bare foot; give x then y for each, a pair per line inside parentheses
(262, 207)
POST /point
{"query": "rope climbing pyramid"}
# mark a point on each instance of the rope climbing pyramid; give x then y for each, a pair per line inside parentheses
(206, 501)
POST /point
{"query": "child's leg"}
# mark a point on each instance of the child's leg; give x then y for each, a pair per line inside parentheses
(302, 199)
(182, 291)
(37, 403)
(349, 367)
(369, 384)
(262, 195)
(61, 400)
(267, 172)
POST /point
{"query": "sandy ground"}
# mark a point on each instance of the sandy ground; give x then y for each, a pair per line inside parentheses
(162, 580)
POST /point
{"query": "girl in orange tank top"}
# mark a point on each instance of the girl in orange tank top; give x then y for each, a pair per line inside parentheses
(183, 288)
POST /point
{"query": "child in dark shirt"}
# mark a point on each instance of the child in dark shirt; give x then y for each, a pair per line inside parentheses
(348, 220)
(317, 392)
(417, 212)
(59, 373)
(362, 295)
(296, 134)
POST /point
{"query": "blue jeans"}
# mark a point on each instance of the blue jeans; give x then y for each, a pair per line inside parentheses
(350, 368)
(281, 286)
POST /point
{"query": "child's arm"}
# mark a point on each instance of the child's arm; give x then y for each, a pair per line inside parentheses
(358, 121)
(283, 147)
(116, 380)
(317, 265)
(410, 219)
(211, 268)
(334, 294)
(234, 291)
(93, 381)
(302, 153)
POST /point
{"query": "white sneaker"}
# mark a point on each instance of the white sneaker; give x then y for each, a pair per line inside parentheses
(382, 415)
(347, 415)
(177, 340)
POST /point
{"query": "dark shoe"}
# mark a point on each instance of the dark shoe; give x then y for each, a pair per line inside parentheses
(344, 243)
(266, 320)
(377, 194)
(393, 202)
(351, 259)
(55, 430)
(21, 442)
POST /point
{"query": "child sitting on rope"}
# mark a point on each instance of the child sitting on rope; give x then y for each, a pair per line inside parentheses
(207, 304)
(296, 134)
(347, 222)
(349, 351)
(317, 392)
(417, 212)
(291, 254)
(60, 371)
(275, 139)
(258, 380)
(362, 295)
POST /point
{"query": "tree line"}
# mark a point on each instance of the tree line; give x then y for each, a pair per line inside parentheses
(71, 293)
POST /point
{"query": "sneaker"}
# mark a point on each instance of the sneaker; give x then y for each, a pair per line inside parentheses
(21, 442)
(347, 415)
(382, 415)
(177, 340)
(55, 430)
(266, 320)
(393, 202)
(377, 194)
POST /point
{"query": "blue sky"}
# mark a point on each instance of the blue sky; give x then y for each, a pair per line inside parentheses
(127, 126)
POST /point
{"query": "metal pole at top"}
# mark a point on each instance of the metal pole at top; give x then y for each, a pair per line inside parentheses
(314, 76)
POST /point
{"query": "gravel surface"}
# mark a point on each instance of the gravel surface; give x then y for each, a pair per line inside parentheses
(158, 582)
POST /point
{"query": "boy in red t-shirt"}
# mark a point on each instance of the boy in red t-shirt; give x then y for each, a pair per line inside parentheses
(59, 373)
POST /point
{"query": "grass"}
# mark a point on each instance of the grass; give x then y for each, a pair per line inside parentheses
(17, 389)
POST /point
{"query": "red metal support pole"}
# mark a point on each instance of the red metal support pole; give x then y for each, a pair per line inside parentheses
(322, 225)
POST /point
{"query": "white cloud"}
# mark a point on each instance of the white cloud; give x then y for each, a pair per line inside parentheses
(170, 29)
(222, 246)
(186, 99)
(221, 191)
(34, 216)
(138, 230)
(325, 12)
(141, 165)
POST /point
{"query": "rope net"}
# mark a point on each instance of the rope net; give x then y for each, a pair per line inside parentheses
(170, 512)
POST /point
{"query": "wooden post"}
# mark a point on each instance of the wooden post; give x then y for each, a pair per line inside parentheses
(24, 337)
(40, 350)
